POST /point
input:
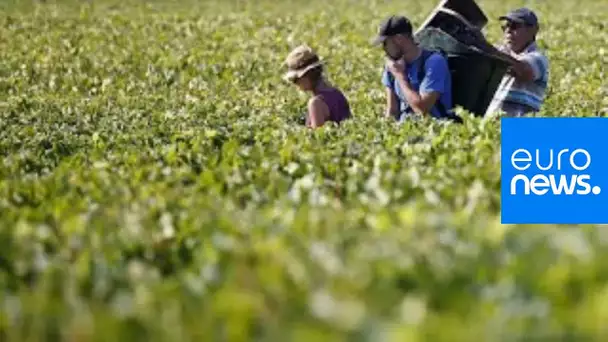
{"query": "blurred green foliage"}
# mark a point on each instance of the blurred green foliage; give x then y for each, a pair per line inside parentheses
(154, 185)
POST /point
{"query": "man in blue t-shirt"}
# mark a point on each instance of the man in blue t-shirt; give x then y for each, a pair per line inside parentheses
(404, 93)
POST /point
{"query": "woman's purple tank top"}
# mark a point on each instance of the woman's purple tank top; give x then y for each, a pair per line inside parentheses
(337, 103)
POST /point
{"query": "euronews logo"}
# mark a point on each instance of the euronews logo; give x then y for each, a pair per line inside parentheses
(553, 170)
(546, 172)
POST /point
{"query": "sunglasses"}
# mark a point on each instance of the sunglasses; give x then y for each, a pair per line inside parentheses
(511, 25)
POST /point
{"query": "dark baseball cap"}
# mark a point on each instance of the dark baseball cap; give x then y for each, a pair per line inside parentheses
(391, 26)
(521, 15)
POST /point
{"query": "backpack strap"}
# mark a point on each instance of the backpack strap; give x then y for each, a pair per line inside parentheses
(421, 73)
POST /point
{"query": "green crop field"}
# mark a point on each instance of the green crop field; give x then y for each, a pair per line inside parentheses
(155, 184)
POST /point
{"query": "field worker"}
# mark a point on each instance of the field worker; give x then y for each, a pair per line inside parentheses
(522, 89)
(416, 80)
(305, 69)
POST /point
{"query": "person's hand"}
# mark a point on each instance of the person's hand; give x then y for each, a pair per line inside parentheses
(397, 68)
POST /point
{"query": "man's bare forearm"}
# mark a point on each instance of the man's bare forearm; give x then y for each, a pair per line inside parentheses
(412, 97)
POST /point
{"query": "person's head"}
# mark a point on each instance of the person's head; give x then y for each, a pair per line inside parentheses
(304, 68)
(520, 27)
(395, 35)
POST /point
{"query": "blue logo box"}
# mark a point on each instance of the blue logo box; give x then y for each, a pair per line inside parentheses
(554, 170)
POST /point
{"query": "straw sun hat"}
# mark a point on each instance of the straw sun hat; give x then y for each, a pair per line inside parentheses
(299, 61)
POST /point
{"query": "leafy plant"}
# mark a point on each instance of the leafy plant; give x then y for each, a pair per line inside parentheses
(155, 184)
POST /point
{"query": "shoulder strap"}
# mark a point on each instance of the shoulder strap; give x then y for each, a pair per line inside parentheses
(425, 55)
(442, 110)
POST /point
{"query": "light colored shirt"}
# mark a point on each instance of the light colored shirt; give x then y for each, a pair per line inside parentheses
(518, 98)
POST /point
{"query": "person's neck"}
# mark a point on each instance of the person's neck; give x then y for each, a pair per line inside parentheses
(523, 47)
(322, 85)
(412, 54)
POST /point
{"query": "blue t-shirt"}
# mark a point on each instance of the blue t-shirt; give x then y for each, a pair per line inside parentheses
(436, 78)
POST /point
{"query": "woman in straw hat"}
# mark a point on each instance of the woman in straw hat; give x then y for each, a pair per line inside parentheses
(305, 69)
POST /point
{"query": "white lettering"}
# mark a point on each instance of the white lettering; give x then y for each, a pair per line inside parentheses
(526, 184)
(587, 156)
(557, 184)
(581, 182)
(539, 181)
(564, 185)
(559, 158)
(528, 159)
(550, 161)
(524, 156)
(541, 184)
